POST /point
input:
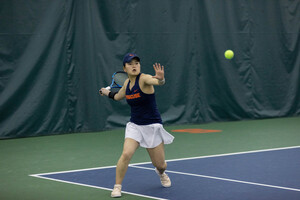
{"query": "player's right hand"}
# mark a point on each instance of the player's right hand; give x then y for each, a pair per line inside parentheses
(103, 92)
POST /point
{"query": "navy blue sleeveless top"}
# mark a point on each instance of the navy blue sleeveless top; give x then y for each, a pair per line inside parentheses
(143, 106)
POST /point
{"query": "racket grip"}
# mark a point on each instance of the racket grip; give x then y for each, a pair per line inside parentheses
(108, 88)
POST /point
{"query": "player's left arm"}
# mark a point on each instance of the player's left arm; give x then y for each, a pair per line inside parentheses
(158, 79)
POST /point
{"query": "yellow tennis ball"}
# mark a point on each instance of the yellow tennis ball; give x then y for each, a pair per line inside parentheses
(229, 54)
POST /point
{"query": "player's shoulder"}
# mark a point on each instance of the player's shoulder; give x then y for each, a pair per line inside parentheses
(126, 82)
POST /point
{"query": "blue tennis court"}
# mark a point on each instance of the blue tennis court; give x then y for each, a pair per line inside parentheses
(263, 174)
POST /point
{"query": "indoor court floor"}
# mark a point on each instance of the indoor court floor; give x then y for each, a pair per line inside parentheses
(255, 159)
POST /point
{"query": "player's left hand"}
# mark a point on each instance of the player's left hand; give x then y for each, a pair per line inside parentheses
(159, 71)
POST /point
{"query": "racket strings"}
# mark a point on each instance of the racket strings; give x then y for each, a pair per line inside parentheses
(120, 78)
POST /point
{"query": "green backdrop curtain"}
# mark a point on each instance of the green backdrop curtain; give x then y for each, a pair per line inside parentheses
(56, 55)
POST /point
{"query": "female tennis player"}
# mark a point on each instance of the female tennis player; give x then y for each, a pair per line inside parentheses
(145, 127)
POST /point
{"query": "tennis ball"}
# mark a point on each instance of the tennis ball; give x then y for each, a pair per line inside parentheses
(228, 54)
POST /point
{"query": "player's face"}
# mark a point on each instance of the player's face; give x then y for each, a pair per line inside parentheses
(133, 67)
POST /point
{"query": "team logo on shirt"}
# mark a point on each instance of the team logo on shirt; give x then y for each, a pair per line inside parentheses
(133, 96)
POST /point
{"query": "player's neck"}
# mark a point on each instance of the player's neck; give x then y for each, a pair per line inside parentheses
(132, 78)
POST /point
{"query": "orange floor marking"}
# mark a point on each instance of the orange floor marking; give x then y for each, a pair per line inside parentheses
(196, 131)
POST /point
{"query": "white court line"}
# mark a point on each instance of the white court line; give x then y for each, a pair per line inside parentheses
(227, 154)
(223, 179)
(70, 171)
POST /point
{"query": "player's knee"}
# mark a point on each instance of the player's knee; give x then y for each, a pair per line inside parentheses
(126, 156)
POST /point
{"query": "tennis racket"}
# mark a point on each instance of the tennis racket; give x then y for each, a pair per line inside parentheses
(118, 79)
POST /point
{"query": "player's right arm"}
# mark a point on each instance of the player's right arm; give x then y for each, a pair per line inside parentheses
(119, 95)
(122, 92)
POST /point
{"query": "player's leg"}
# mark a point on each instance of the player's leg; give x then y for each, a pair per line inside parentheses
(157, 156)
(129, 148)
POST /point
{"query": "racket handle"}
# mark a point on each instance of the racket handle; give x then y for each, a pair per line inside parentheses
(108, 88)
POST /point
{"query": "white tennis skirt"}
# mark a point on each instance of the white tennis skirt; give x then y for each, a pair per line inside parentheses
(148, 136)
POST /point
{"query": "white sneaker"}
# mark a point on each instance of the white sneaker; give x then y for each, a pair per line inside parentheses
(116, 191)
(164, 179)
